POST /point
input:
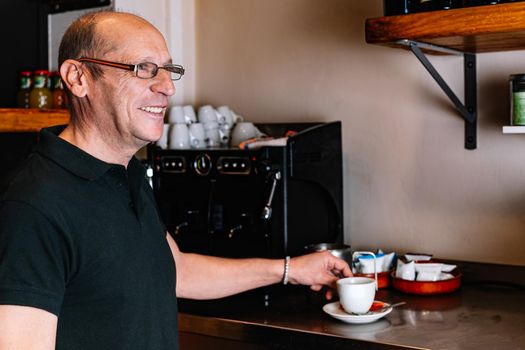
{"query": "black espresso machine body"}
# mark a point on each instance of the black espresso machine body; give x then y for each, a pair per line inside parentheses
(269, 202)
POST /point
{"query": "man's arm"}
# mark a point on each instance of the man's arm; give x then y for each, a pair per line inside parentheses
(207, 277)
(28, 328)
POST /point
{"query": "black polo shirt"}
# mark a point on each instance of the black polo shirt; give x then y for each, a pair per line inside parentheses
(82, 239)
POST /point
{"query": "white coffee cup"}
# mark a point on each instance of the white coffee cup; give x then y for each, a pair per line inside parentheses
(242, 132)
(176, 115)
(189, 114)
(356, 294)
(179, 136)
(207, 114)
(226, 116)
(213, 138)
(210, 125)
(224, 133)
(197, 136)
(162, 142)
(237, 118)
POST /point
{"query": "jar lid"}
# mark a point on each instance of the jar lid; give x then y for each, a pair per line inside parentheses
(41, 72)
(517, 77)
(25, 73)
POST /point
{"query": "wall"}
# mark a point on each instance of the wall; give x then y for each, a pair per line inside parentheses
(409, 183)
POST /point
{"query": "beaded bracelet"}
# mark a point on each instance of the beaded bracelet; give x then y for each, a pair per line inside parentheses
(286, 270)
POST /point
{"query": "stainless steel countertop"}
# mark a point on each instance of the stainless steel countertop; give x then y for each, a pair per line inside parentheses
(478, 316)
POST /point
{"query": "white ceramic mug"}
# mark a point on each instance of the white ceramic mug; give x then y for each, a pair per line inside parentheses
(197, 136)
(176, 115)
(226, 116)
(210, 125)
(224, 133)
(213, 138)
(356, 294)
(162, 142)
(207, 114)
(242, 132)
(189, 114)
(179, 136)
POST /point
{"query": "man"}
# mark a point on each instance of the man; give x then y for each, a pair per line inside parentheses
(85, 262)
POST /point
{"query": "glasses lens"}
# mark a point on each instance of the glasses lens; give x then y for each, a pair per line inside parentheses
(146, 70)
(176, 71)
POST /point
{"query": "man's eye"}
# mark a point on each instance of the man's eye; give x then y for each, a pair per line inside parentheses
(144, 66)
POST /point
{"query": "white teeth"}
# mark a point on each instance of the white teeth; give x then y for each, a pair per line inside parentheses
(153, 109)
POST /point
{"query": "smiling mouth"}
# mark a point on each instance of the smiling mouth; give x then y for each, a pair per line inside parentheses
(155, 110)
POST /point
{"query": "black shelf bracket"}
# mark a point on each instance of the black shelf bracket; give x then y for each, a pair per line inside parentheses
(467, 110)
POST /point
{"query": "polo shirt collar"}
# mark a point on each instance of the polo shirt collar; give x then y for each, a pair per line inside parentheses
(74, 159)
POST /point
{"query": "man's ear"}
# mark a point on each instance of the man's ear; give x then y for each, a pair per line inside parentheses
(74, 77)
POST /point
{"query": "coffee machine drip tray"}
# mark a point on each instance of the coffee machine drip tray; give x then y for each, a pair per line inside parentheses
(268, 202)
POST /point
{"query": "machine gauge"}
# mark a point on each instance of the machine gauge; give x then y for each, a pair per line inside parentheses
(202, 164)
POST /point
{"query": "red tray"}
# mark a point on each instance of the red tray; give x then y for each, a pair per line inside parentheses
(428, 287)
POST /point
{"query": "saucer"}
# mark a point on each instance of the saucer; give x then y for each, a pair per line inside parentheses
(336, 311)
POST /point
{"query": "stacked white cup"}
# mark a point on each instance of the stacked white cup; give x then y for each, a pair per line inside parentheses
(244, 131)
(179, 137)
(163, 141)
(227, 119)
(197, 136)
(184, 131)
(208, 116)
(213, 128)
(189, 114)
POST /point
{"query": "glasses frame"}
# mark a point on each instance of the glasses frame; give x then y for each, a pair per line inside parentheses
(172, 68)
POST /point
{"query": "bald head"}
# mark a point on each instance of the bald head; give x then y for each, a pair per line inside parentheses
(97, 33)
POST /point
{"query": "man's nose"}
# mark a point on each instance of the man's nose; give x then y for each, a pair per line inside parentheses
(163, 83)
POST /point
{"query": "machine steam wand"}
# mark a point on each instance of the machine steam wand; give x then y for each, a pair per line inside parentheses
(267, 210)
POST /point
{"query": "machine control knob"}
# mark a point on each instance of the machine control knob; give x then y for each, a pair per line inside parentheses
(202, 164)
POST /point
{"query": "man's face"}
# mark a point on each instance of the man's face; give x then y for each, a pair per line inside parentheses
(128, 109)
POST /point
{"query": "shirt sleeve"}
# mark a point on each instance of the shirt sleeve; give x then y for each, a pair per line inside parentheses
(33, 258)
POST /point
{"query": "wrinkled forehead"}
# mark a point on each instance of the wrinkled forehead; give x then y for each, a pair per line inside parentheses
(131, 38)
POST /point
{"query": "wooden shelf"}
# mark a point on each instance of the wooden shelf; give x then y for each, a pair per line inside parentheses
(30, 120)
(478, 29)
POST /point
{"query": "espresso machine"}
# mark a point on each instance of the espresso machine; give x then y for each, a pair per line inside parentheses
(268, 202)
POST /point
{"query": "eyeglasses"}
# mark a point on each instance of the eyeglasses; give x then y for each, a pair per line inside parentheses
(144, 70)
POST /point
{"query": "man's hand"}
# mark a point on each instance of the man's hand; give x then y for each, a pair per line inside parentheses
(317, 270)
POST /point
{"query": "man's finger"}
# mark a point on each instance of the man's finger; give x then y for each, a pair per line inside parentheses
(316, 287)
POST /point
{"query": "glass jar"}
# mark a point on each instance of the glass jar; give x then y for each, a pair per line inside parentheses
(22, 99)
(517, 99)
(59, 98)
(40, 96)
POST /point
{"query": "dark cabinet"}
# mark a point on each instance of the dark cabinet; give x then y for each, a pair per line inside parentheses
(24, 41)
